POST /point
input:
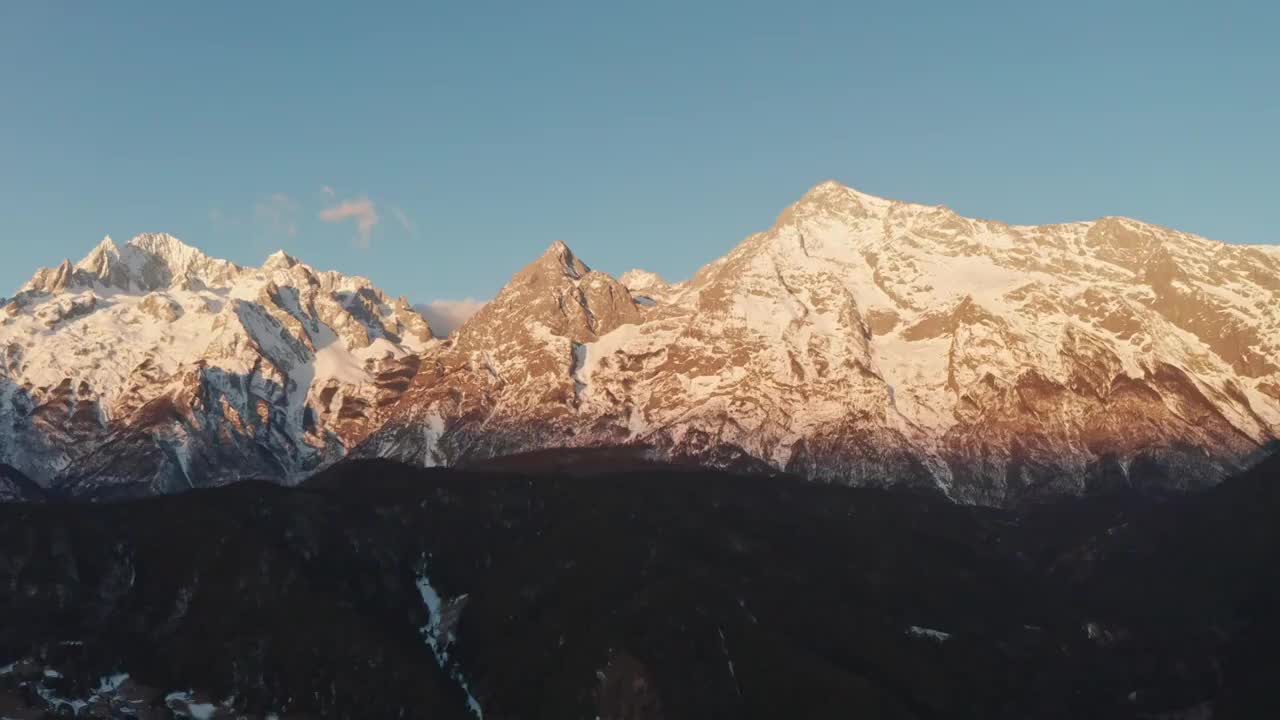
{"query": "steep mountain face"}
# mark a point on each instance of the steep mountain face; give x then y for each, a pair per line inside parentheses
(152, 368)
(865, 341)
(508, 380)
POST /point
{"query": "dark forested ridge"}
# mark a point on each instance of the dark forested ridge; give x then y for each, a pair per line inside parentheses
(17, 487)
(649, 594)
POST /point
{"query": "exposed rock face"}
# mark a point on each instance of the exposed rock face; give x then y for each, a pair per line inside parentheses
(152, 367)
(520, 352)
(868, 341)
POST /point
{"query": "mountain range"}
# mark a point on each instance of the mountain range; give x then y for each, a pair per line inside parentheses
(858, 341)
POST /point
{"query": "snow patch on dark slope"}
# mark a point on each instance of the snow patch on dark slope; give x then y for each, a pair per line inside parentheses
(440, 633)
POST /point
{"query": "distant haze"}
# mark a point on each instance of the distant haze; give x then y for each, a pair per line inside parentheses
(445, 316)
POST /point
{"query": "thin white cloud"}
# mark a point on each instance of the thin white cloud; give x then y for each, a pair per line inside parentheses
(405, 221)
(445, 316)
(328, 192)
(279, 214)
(221, 218)
(362, 211)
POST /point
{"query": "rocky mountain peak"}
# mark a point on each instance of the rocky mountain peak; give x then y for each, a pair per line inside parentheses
(104, 251)
(557, 293)
(280, 260)
(53, 279)
(557, 260)
(104, 264)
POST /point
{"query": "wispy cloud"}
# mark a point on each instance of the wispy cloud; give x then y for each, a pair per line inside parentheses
(362, 211)
(279, 214)
(405, 222)
(328, 192)
(445, 316)
(220, 217)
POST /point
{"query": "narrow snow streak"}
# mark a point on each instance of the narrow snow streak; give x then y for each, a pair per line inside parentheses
(732, 671)
(432, 632)
(929, 633)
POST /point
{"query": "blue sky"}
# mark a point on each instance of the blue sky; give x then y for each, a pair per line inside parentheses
(652, 134)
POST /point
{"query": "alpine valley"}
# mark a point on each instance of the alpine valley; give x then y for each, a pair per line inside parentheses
(859, 341)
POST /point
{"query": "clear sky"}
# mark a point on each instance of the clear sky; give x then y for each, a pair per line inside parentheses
(653, 134)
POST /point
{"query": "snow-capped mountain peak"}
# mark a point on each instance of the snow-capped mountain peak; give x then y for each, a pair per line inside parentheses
(158, 260)
(105, 252)
(167, 248)
(280, 260)
(158, 365)
(835, 199)
(148, 262)
(858, 340)
(867, 340)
